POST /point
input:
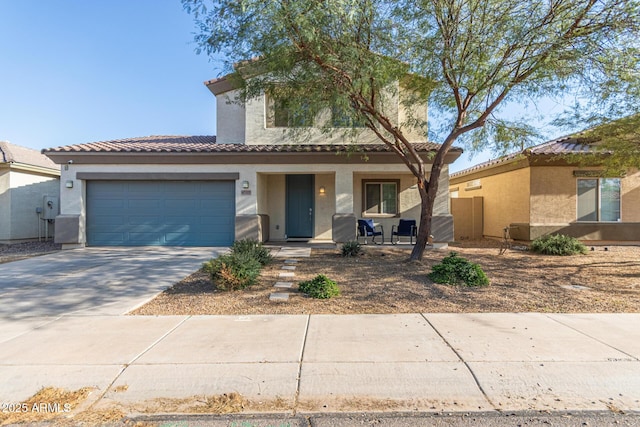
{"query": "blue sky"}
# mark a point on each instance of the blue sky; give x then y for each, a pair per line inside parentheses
(75, 71)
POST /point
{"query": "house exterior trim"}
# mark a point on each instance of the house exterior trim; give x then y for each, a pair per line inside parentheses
(151, 176)
(236, 158)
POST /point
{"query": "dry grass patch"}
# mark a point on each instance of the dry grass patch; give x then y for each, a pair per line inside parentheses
(58, 407)
(381, 280)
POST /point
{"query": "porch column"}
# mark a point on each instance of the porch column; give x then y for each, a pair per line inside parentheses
(343, 224)
(344, 191)
(249, 225)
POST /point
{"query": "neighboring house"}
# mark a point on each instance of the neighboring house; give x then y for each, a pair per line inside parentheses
(537, 192)
(252, 181)
(26, 178)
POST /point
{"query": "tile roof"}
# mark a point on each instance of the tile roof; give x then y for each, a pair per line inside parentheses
(561, 146)
(11, 153)
(207, 144)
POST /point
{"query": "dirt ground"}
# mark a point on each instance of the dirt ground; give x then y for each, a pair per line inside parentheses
(381, 280)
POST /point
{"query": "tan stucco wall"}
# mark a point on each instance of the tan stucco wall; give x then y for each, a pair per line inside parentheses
(248, 124)
(505, 197)
(267, 189)
(325, 205)
(631, 197)
(549, 206)
(230, 119)
(553, 194)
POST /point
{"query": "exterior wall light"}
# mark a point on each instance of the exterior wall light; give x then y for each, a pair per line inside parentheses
(68, 184)
(322, 191)
(245, 185)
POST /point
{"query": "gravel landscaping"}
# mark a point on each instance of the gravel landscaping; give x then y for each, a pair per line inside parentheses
(381, 280)
(16, 251)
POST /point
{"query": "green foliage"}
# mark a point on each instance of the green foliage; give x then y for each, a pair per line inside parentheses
(233, 271)
(319, 287)
(474, 61)
(352, 248)
(254, 249)
(558, 244)
(455, 270)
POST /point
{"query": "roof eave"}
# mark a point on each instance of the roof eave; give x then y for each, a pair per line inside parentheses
(105, 157)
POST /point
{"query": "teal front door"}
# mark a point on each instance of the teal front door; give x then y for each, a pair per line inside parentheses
(299, 206)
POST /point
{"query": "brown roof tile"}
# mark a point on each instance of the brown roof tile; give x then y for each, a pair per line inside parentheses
(11, 153)
(560, 146)
(207, 144)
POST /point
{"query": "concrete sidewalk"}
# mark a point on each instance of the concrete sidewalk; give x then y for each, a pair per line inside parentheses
(333, 363)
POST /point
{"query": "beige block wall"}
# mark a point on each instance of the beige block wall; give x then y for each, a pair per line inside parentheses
(553, 195)
(27, 192)
(631, 197)
(505, 196)
(5, 205)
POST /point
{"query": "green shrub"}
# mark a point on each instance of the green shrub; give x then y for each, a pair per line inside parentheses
(454, 270)
(558, 244)
(253, 248)
(319, 287)
(233, 271)
(352, 248)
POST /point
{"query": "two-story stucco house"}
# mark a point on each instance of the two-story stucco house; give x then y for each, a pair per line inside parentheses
(251, 181)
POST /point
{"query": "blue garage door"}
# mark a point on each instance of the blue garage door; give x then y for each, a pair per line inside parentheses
(160, 213)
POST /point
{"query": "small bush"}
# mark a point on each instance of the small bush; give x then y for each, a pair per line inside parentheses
(558, 244)
(352, 248)
(320, 287)
(233, 271)
(454, 270)
(253, 248)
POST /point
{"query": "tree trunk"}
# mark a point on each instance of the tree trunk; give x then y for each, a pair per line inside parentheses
(428, 190)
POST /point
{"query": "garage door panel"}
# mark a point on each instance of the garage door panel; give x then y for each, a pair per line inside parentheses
(144, 204)
(185, 213)
(145, 239)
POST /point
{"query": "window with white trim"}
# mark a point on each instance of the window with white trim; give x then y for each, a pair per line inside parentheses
(380, 198)
(599, 199)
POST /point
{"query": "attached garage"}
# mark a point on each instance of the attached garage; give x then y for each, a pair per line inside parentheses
(160, 213)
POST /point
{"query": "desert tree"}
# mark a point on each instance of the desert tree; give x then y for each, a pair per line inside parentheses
(469, 60)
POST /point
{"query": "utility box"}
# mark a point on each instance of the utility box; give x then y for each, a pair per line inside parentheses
(50, 207)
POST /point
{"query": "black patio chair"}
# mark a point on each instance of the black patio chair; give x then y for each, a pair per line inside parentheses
(405, 228)
(366, 228)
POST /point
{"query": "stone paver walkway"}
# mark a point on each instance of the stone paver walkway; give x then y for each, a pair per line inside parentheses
(287, 271)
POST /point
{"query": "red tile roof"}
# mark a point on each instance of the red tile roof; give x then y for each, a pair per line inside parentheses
(207, 144)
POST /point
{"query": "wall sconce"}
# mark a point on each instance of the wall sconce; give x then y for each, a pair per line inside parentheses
(68, 184)
(245, 185)
(322, 191)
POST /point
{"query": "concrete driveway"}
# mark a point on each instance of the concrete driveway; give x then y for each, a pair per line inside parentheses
(93, 281)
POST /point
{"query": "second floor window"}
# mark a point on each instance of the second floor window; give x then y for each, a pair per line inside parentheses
(283, 113)
(344, 118)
